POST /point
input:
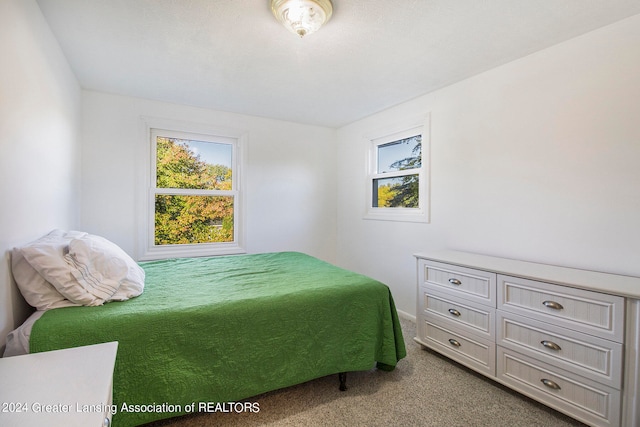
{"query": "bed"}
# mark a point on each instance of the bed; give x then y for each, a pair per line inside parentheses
(224, 329)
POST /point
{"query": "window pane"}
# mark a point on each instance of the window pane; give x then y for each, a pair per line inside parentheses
(400, 155)
(399, 192)
(182, 163)
(193, 219)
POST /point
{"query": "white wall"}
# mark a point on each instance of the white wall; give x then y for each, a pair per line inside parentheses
(536, 160)
(289, 181)
(39, 148)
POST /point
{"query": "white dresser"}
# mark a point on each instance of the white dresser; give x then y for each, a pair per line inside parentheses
(70, 387)
(565, 337)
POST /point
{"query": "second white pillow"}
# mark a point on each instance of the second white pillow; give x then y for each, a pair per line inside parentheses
(103, 269)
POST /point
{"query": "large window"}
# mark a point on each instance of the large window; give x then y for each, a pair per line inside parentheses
(397, 183)
(194, 202)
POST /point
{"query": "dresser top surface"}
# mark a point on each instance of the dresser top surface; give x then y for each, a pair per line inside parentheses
(627, 286)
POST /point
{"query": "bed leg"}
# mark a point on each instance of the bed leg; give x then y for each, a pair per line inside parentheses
(342, 376)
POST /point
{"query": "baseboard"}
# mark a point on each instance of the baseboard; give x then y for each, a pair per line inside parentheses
(406, 316)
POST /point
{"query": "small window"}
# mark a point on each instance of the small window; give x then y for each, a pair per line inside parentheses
(403, 160)
(397, 176)
(194, 195)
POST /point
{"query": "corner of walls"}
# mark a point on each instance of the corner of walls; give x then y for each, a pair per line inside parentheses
(40, 112)
(533, 160)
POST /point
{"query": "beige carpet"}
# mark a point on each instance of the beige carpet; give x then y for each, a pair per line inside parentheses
(424, 390)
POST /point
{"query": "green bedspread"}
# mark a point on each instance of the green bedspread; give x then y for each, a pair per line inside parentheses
(227, 328)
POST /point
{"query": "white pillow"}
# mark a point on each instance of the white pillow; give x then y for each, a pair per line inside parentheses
(47, 256)
(103, 269)
(34, 288)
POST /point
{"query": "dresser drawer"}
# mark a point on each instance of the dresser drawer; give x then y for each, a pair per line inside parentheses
(469, 350)
(586, 355)
(467, 283)
(581, 398)
(465, 315)
(581, 310)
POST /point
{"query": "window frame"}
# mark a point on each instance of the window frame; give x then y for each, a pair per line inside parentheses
(387, 135)
(196, 132)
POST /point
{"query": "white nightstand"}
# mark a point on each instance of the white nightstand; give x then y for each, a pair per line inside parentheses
(70, 387)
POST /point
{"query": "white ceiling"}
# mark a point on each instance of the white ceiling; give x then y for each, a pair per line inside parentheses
(232, 55)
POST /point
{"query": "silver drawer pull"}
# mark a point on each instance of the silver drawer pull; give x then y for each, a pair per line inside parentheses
(454, 342)
(454, 312)
(455, 281)
(551, 345)
(550, 384)
(553, 304)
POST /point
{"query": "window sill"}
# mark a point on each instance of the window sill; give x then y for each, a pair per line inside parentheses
(385, 215)
(189, 251)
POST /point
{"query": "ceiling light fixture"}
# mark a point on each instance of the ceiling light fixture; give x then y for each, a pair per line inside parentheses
(302, 17)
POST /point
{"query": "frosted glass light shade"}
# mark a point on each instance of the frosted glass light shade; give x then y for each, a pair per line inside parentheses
(302, 17)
